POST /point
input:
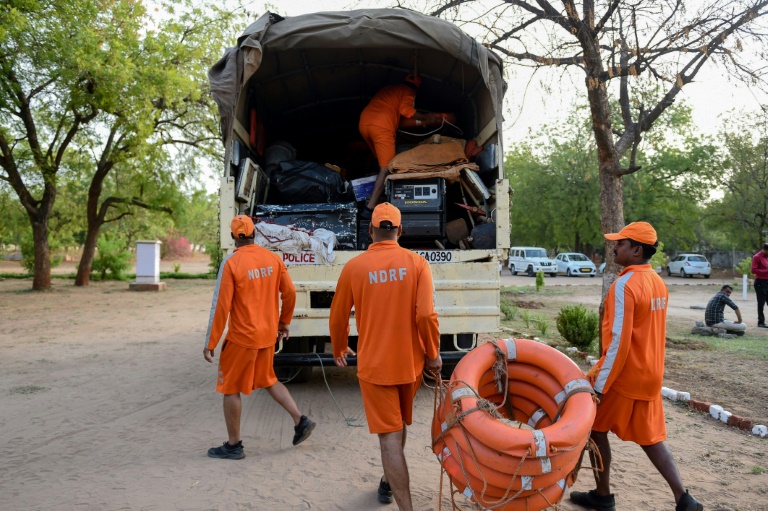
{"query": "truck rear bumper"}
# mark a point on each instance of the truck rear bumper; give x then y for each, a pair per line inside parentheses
(326, 359)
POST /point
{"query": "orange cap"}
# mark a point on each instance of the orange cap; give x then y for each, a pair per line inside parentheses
(242, 224)
(385, 212)
(642, 232)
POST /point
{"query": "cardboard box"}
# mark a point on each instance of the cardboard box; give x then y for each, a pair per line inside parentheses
(363, 187)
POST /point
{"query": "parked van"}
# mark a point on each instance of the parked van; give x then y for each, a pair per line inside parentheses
(531, 260)
(298, 85)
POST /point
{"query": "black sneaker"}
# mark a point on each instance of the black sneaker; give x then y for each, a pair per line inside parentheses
(762, 325)
(302, 430)
(688, 503)
(228, 452)
(385, 492)
(591, 500)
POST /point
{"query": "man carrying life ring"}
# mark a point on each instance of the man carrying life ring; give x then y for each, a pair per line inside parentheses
(628, 376)
(392, 291)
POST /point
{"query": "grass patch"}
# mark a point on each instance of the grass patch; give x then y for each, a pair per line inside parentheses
(531, 291)
(27, 389)
(752, 347)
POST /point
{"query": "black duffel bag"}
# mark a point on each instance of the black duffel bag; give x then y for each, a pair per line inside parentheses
(306, 182)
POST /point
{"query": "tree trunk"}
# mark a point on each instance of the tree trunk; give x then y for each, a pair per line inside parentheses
(86, 260)
(42, 270)
(95, 216)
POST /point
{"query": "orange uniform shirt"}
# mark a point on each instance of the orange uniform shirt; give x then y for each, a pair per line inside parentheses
(634, 334)
(392, 291)
(251, 283)
(386, 107)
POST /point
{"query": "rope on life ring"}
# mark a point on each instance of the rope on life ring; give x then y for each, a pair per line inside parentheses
(511, 426)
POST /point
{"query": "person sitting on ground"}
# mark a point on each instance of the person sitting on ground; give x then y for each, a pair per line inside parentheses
(714, 316)
(379, 122)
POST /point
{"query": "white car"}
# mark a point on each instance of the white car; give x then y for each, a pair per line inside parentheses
(531, 260)
(688, 265)
(574, 263)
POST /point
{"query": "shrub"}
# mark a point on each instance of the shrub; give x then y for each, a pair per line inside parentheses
(175, 246)
(578, 326)
(541, 324)
(745, 268)
(539, 280)
(111, 259)
(213, 249)
(510, 311)
(527, 318)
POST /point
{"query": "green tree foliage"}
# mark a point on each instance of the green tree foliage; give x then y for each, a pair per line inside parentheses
(557, 190)
(741, 214)
(611, 52)
(578, 326)
(104, 93)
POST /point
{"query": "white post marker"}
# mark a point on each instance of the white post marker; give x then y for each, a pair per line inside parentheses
(147, 267)
(744, 288)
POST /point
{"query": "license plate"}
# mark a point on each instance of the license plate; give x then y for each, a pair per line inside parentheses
(436, 256)
(585, 270)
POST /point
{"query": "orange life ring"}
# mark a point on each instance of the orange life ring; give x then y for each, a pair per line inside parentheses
(496, 464)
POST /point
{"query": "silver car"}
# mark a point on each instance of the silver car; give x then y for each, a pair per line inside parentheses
(688, 265)
(574, 264)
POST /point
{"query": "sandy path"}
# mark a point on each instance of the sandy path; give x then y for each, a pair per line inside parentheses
(107, 404)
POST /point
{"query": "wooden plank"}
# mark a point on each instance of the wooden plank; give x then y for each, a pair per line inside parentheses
(486, 133)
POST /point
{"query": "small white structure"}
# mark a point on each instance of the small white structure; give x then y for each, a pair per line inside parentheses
(147, 267)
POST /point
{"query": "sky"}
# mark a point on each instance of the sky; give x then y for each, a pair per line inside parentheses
(529, 106)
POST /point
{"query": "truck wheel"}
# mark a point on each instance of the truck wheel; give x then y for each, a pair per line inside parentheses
(530, 272)
(296, 374)
(512, 269)
(464, 341)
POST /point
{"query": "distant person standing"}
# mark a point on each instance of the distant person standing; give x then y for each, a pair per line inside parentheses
(714, 316)
(251, 284)
(628, 377)
(392, 292)
(760, 271)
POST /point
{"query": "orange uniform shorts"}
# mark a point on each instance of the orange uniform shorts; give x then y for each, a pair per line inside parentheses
(387, 407)
(381, 141)
(636, 421)
(245, 370)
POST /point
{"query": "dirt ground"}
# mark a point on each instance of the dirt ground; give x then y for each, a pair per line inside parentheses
(107, 404)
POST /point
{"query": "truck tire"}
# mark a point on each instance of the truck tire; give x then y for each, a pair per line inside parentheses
(464, 341)
(530, 272)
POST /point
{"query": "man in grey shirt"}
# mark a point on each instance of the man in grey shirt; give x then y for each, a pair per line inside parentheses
(714, 315)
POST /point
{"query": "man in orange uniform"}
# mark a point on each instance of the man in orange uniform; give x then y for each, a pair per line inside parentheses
(393, 295)
(251, 283)
(379, 122)
(628, 376)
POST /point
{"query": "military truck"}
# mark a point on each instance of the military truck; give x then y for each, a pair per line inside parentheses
(292, 90)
